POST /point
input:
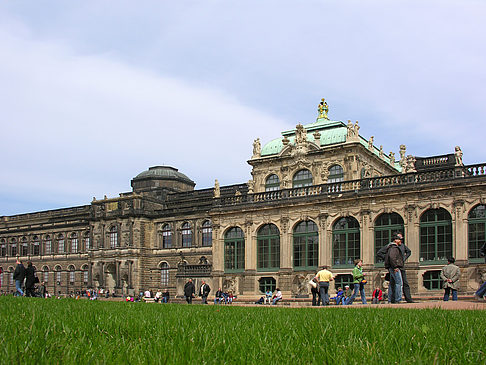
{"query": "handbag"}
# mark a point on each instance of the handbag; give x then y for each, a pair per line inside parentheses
(313, 284)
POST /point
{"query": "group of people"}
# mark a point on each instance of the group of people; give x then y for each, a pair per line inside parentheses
(271, 297)
(25, 280)
(190, 291)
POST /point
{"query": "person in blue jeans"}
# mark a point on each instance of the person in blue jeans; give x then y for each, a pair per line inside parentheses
(19, 276)
(358, 278)
(394, 263)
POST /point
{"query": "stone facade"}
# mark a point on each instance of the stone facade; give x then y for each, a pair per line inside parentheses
(319, 195)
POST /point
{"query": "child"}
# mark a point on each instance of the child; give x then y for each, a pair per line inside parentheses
(339, 296)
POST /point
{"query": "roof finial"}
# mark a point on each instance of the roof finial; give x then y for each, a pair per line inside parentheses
(323, 109)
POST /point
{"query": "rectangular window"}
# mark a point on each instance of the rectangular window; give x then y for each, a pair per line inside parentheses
(87, 243)
(60, 246)
(58, 276)
(46, 276)
(113, 239)
(71, 277)
(3, 250)
(14, 250)
(85, 276)
(11, 279)
(36, 249)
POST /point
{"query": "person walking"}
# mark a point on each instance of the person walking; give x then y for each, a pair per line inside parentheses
(323, 277)
(394, 262)
(189, 291)
(316, 297)
(29, 280)
(450, 276)
(406, 252)
(358, 282)
(19, 276)
(204, 292)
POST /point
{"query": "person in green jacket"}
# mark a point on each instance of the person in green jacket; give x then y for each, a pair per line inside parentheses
(358, 282)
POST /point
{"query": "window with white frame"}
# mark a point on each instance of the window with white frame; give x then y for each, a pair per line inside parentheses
(74, 243)
(164, 274)
(113, 237)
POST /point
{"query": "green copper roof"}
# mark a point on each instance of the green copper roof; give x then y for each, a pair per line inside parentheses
(332, 132)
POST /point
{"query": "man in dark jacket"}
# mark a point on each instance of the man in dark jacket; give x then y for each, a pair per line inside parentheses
(189, 291)
(406, 254)
(394, 262)
(204, 292)
(29, 280)
(19, 276)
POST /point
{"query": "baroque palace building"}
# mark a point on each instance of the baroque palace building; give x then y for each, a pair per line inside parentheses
(321, 194)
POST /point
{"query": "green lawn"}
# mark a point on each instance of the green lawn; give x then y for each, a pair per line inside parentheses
(69, 331)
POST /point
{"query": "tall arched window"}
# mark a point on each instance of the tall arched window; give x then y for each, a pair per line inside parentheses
(302, 178)
(435, 236)
(35, 246)
(45, 274)
(336, 174)
(268, 248)
(186, 235)
(345, 241)
(113, 236)
(164, 274)
(167, 236)
(47, 245)
(3, 247)
(24, 247)
(87, 241)
(207, 234)
(272, 183)
(72, 272)
(74, 242)
(84, 269)
(386, 225)
(234, 250)
(305, 244)
(476, 231)
(60, 243)
(58, 270)
(13, 247)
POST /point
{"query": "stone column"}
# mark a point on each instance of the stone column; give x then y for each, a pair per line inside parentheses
(412, 233)
(285, 244)
(459, 233)
(325, 254)
(367, 241)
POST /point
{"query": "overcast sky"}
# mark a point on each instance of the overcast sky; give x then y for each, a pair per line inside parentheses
(94, 92)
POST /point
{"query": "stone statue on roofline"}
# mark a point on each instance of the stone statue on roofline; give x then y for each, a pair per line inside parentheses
(257, 148)
(300, 134)
(370, 143)
(392, 158)
(323, 109)
(458, 156)
(382, 154)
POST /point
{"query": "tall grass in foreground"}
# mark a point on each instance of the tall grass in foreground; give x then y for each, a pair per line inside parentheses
(69, 331)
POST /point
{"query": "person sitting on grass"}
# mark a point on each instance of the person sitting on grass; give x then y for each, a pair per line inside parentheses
(339, 296)
(377, 296)
(277, 297)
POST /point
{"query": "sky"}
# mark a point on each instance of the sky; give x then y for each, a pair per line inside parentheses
(94, 92)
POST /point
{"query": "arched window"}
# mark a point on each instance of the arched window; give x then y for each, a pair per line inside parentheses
(476, 231)
(45, 274)
(234, 250)
(305, 244)
(71, 274)
(186, 235)
(345, 241)
(166, 236)
(302, 178)
(164, 274)
(268, 248)
(435, 236)
(35, 246)
(3, 248)
(114, 236)
(207, 234)
(84, 269)
(11, 274)
(336, 174)
(47, 245)
(60, 243)
(13, 247)
(266, 284)
(386, 225)
(58, 270)
(25, 247)
(74, 242)
(87, 241)
(432, 280)
(272, 183)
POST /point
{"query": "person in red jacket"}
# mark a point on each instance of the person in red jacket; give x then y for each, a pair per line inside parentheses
(377, 296)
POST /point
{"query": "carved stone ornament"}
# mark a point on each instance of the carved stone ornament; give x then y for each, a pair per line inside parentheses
(323, 109)
(300, 284)
(217, 192)
(458, 156)
(370, 143)
(257, 148)
(392, 158)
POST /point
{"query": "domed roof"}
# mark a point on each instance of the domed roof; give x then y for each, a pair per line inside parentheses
(163, 173)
